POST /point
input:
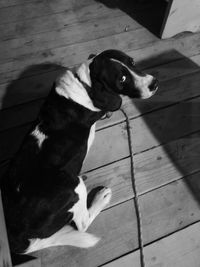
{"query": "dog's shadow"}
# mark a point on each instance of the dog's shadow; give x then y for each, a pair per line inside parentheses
(32, 84)
(20, 105)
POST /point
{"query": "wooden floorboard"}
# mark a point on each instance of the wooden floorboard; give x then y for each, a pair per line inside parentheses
(5, 258)
(183, 119)
(38, 38)
(70, 34)
(164, 211)
(39, 85)
(153, 169)
(62, 3)
(168, 251)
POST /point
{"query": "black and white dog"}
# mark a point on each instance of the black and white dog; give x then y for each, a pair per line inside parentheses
(43, 195)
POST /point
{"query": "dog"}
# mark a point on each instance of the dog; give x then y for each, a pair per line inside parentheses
(45, 199)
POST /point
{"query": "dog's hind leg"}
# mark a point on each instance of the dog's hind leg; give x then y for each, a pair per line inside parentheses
(100, 201)
(82, 216)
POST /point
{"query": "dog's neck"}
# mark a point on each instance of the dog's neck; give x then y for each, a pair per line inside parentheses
(72, 87)
(83, 73)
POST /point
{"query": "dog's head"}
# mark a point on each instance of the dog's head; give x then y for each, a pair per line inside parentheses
(113, 73)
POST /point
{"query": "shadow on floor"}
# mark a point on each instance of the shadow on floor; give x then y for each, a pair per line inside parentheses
(171, 126)
(177, 127)
(25, 95)
(176, 123)
(148, 13)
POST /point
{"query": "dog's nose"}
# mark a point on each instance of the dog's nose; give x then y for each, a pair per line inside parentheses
(154, 85)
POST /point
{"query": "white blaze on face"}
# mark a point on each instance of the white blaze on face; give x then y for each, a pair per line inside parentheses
(141, 83)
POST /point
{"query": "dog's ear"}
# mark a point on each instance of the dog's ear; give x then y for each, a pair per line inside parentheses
(103, 95)
(104, 98)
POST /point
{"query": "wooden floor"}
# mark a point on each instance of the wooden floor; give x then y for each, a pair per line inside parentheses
(37, 36)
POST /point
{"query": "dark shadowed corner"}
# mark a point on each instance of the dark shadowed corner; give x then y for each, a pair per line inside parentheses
(148, 13)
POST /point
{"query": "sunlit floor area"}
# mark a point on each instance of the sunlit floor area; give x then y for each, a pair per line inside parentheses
(37, 38)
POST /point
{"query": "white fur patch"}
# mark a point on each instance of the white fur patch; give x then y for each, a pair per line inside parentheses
(66, 236)
(82, 216)
(79, 210)
(40, 137)
(70, 87)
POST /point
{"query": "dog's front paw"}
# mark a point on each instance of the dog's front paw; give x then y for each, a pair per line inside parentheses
(102, 199)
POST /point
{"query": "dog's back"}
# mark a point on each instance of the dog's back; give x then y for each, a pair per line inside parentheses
(40, 184)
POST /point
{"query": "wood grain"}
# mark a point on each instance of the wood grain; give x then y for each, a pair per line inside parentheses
(154, 168)
(148, 131)
(164, 211)
(48, 22)
(40, 36)
(182, 249)
(58, 5)
(175, 78)
(31, 263)
(176, 121)
(69, 34)
(77, 53)
(149, 55)
(5, 258)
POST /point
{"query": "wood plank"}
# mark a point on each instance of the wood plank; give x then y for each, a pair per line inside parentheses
(110, 144)
(75, 3)
(181, 249)
(170, 92)
(153, 169)
(43, 79)
(148, 131)
(175, 69)
(56, 21)
(23, 90)
(159, 52)
(163, 51)
(183, 120)
(167, 163)
(164, 211)
(165, 125)
(30, 10)
(31, 263)
(5, 258)
(77, 53)
(117, 230)
(69, 34)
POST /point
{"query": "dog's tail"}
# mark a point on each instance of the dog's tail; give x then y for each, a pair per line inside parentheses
(66, 236)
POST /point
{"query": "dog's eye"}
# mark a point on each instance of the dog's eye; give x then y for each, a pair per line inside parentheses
(123, 79)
